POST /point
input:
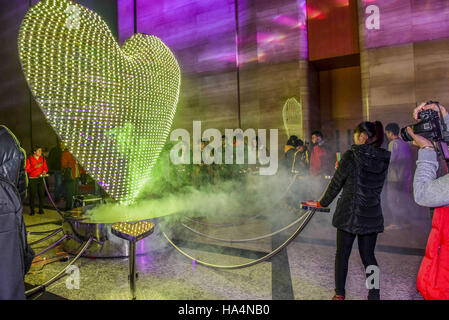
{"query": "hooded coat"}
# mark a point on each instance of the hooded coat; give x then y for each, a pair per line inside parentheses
(361, 174)
(15, 253)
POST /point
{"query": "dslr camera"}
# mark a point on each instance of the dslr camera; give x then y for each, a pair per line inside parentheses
(431, 127)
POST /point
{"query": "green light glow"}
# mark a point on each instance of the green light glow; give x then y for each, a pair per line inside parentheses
(112, 107)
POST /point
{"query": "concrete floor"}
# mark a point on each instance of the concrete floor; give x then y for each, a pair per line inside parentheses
(303, 271)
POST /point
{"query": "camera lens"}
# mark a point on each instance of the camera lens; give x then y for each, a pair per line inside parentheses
(405, 136)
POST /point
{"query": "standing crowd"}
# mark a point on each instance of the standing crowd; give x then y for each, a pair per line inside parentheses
(319, 164)
(360, 176)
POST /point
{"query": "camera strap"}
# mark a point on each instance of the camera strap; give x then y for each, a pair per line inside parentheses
(443, 124)
(443, 150)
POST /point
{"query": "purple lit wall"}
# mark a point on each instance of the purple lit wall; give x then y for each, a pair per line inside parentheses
(282, 35)
(408, 21)
(225, 49)
(125, 19)
(202, 33)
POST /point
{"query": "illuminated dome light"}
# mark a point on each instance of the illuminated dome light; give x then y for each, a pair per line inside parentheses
(112, 107)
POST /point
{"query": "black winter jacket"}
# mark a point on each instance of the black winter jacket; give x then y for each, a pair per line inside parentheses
(12, 161)
(361, 173)
(15, 253)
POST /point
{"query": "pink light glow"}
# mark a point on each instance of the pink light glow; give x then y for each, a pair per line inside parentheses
(289, 22)
(265, 37)
(313, 13)
(323, 10)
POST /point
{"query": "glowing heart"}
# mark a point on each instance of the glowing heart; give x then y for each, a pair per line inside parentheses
(112, 107)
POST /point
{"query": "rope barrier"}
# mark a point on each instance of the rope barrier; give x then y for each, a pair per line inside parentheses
(51, 199)
(245, 240)
(308, 215)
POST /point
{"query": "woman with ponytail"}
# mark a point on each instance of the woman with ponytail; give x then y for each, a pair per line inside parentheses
(361, 174)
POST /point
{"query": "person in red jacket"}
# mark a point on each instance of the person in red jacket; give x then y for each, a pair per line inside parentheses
(36, 166)
(432, 191)
(319, 157)
(320, 163)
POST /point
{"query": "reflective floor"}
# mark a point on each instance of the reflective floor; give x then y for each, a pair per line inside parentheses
(304, 270)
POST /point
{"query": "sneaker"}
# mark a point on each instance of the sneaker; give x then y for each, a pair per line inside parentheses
(373, 297)
(338, 297)
(374, 294)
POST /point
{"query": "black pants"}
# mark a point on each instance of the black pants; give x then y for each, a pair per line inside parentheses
(367, 244)
(37, 186)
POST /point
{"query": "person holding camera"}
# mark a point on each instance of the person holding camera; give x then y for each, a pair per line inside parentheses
(430, 191)
(361, 174)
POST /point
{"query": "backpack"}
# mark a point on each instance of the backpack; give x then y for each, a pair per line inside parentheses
(15, 253)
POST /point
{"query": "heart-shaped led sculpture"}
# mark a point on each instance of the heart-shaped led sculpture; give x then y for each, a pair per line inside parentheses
(112, 107)
(133, 231)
